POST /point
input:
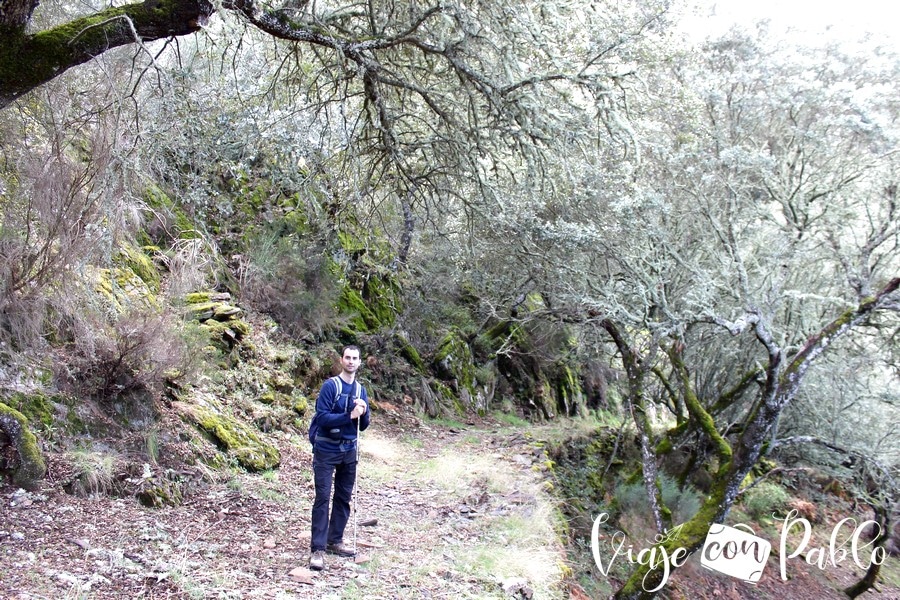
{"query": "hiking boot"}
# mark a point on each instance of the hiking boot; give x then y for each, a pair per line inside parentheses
(341, 550)
(317, 560)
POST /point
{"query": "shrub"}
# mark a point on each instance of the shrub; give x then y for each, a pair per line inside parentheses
(683, 502)
(765, 499)
(57, 214)
(193, 264)
(141, 350)
(290, 281)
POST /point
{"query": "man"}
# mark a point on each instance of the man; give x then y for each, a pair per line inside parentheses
(341, 407)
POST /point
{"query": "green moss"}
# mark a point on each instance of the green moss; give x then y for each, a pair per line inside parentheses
(160, 491)
(362, 319)
(202, 310)
(225, 335)
(236, 439)
(197, 297)
(448, 398)
(242, 328)
(299, 403)
(159, 201)
(36, 407)
(409, 352)
(543, 398)
(568, 390)
(383, 297)
(29, 467)
(267, 397)
(453, 360)
(371, 298)
(226, 312)
(122, 289)
(351, 244)
(218, 330)
(690, 536)
(297, 221)
(141, 265)
(580, 471)
(348, 336)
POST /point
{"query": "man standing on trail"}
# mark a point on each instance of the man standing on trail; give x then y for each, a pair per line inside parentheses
(342, 411)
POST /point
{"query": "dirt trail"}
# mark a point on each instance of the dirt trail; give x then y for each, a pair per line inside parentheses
(460, 513)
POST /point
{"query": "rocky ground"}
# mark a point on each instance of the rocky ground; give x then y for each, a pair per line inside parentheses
(459, 513)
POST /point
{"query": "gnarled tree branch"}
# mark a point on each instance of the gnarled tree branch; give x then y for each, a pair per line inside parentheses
(30, 60)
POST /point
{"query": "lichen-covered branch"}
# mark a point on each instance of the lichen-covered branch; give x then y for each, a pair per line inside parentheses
(817, 343)
(727, 398)
(676, 399)
(698, 414)
(30, 60)
(636, 370)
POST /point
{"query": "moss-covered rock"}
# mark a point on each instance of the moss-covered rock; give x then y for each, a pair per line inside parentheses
(361, 319)
(585, 463)
(409, 352)
(383, 296)
(160, 490)
(371, 296)
(218, 317)
(134, 259)
(453, 360)
(20, 455)
(224, 335)
(234, 437)
(121, 290)
(202, 311)
(178, 223)
(35, 406)
(544, 376)
(542, 400)
(267, 397)
(197, 297)
(447, 399)
(569, 392)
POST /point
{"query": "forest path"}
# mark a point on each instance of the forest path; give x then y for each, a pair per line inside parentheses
(461, 513)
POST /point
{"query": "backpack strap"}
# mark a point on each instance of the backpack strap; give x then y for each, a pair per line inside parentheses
(355, 394)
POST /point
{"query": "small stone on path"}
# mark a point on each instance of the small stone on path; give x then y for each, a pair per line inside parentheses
(301, 575)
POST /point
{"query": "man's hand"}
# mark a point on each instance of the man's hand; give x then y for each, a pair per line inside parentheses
(358, 410)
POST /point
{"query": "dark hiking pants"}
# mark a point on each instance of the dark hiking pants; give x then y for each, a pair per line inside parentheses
(341, 466)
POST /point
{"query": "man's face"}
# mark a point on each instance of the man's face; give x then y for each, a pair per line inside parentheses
(350, 361)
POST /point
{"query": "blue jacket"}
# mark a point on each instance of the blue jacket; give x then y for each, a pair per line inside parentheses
(336, 430)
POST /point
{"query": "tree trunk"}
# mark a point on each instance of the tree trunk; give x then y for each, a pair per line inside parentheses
(15, 14)
(882, 516)
(636, 370)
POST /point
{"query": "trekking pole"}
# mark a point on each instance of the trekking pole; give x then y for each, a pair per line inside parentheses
(356, 491)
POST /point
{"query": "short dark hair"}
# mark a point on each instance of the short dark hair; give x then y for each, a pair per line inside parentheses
(350, 347)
